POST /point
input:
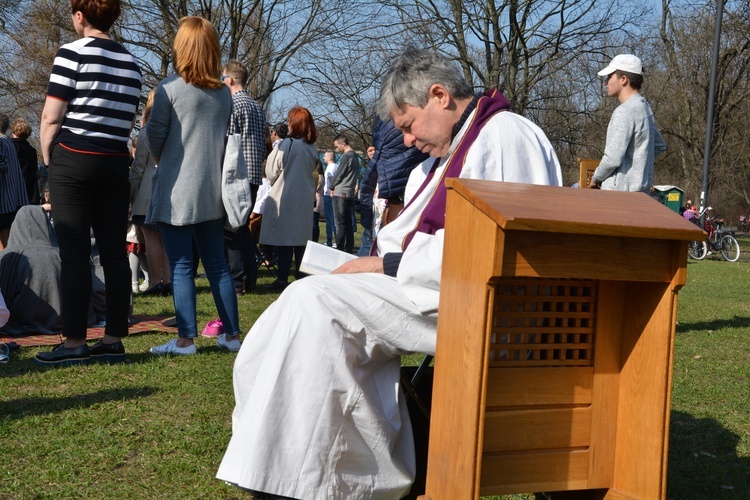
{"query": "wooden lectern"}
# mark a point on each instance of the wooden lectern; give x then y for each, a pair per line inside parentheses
(586, 168)
(555, 342)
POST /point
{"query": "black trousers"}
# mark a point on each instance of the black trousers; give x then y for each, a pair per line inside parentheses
(316, 226)
(343, 212)
(284, 262)
(240, 250)
(91, 192)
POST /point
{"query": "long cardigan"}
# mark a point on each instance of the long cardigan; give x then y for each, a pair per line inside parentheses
(287, 212)
(186, 132)
(142, 172)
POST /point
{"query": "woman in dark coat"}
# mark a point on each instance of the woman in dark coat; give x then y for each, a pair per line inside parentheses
(26, 153)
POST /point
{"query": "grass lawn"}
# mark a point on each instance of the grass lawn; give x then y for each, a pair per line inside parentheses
(157, 427)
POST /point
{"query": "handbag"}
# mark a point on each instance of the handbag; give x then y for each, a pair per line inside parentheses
(235, 186)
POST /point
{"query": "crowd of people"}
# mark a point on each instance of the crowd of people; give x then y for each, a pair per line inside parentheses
(330, 346)
(114, 215)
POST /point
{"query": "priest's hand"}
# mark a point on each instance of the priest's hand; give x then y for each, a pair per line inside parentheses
(361, 265)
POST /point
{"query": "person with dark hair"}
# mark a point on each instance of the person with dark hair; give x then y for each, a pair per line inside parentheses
(92, 99)
(319, 412)
(278, 132)
(21, 130)
(633, 140)
(343, 192)
(186, 134)
(287, 212)
(12, 187)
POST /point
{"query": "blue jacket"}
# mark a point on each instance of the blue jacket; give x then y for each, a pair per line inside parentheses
(391, 165)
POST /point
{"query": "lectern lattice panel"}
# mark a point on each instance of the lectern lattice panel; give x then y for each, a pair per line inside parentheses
(543, 322)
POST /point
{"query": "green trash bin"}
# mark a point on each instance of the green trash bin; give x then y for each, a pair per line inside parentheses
(671, 196)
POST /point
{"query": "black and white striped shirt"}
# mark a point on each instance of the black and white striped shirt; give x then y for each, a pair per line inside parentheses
(101, 83)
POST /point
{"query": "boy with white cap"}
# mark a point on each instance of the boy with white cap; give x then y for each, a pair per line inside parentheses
(633, 141)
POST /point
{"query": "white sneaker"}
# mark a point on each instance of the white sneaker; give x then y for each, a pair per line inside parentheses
(171, 348)
(229, 345)
(134, 287)
(144, 286)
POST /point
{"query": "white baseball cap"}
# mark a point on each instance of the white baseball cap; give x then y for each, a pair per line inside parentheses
(623, 62)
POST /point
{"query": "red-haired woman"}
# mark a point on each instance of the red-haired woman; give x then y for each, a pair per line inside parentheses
(287, 213)
(186, 132)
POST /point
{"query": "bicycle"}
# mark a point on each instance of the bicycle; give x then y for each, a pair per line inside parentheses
(718, 241)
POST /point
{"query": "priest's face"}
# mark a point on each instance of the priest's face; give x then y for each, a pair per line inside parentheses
(428, 129)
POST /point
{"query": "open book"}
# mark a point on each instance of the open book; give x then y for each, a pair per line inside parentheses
(320, 259)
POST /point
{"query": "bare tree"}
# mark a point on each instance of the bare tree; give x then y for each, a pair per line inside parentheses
(345, 83)
(516, 44)
(268, 36)
(681, 96)
(26, 60)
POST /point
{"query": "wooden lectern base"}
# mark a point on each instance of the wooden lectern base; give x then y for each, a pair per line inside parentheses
(555, 342)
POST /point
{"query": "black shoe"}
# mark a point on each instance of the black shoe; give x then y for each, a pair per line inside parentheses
(107, 353)
(64, 356)
(155, 290)
(277, 286)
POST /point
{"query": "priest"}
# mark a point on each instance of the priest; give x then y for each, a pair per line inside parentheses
(319, 413)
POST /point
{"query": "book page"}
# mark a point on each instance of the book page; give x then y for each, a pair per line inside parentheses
(320, 259)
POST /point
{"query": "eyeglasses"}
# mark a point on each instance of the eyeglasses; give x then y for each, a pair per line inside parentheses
(224, 77)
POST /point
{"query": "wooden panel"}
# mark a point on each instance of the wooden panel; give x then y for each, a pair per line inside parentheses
(537, 429)
(643, 390)
(454, 457)
(586, 168)
(525, 207)
(542, 322)
(606, 382)
(522, 387)
(570, 256)
(530, 472)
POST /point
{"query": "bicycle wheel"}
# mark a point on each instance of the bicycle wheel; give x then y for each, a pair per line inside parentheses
(730, 249)
(698, 249)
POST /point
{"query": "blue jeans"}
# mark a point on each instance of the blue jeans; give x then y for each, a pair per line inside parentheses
(364, 248)
(328, 214)
(178, 242)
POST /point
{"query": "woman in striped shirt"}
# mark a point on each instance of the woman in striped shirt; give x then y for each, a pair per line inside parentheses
(91, 103)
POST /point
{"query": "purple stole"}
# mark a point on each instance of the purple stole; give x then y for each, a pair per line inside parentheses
(432, 217)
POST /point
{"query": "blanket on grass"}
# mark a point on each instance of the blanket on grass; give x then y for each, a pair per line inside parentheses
(138, 324)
